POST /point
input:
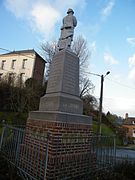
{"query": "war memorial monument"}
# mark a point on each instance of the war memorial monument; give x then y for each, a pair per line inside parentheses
(60, 115)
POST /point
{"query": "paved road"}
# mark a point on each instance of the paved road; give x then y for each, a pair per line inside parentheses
(125, 153)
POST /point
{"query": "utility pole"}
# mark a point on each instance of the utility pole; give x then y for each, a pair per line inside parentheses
(100, 101)
(100, 104)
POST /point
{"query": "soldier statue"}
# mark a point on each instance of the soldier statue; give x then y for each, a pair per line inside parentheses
(67, 30)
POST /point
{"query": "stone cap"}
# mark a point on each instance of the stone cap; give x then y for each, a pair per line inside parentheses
(60, 117)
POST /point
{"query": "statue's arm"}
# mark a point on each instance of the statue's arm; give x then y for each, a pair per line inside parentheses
(74, 21)
(62, 27)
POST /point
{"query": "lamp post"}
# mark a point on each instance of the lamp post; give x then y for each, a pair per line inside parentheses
(100, 103)
(100, 100)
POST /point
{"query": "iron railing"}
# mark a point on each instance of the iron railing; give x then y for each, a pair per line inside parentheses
(105, 150)
(31, 159)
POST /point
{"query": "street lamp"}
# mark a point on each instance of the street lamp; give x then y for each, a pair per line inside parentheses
(100, 100)
(100, 103)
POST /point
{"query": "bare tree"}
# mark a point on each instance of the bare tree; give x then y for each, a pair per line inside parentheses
(80, 48)
(48, 51)
(86, 86)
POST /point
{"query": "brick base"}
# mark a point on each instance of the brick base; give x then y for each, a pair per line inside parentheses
(69, 147)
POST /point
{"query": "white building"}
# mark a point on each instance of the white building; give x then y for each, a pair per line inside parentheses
(25, 63)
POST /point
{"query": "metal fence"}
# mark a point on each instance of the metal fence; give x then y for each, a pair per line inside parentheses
(125, 159)
(105, 150)
(31, 160)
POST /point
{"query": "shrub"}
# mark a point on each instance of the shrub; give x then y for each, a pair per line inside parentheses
(122, 171)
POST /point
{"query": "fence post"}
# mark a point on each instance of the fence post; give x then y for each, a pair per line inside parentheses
(46, 157)
(2, 135)
(114, 148)
(17, 149)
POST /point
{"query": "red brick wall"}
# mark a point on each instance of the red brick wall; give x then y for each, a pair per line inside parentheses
(39, 67)
(129, 129)
(69, 147)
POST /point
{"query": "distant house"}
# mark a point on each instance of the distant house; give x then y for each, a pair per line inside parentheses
(24, 63)
(129, 124)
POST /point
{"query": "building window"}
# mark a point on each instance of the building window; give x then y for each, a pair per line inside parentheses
(133, 132)
(24, 63)
(22, 76)
(11, 78)
(3, 64)
(133, 122)
(1, 76)
(13, 64)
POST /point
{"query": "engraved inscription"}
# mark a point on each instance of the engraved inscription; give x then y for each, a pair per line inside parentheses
(71, 76)
(70, 106)
(54, 82)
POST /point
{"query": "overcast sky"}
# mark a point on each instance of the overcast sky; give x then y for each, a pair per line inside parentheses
(107, 25)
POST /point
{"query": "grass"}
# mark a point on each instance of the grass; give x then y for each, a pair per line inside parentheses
(104, 129)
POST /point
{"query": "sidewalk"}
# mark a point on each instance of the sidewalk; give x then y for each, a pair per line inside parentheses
(130, 147)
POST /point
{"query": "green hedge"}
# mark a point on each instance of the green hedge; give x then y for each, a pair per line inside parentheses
(13, 118)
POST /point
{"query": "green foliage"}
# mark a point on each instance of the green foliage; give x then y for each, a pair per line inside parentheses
(110, 120)
(119, 140)
(107, 131)
(111, 117)
(13, 118)
(21, 97)
(104, 128)
(94, 127)
(89, 104)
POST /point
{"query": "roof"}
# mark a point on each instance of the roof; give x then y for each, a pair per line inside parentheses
(129, 120)
(22, 52)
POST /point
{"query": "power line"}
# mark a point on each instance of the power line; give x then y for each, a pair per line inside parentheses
(5, 49)
(114, 81)
(121, 84)
(95, 74)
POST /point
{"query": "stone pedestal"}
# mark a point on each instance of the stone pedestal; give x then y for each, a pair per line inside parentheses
(63, 85)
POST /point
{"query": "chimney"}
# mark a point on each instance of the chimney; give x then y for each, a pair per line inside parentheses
(126, 116)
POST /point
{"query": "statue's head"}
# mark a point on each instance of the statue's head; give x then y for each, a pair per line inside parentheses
(70, 10)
